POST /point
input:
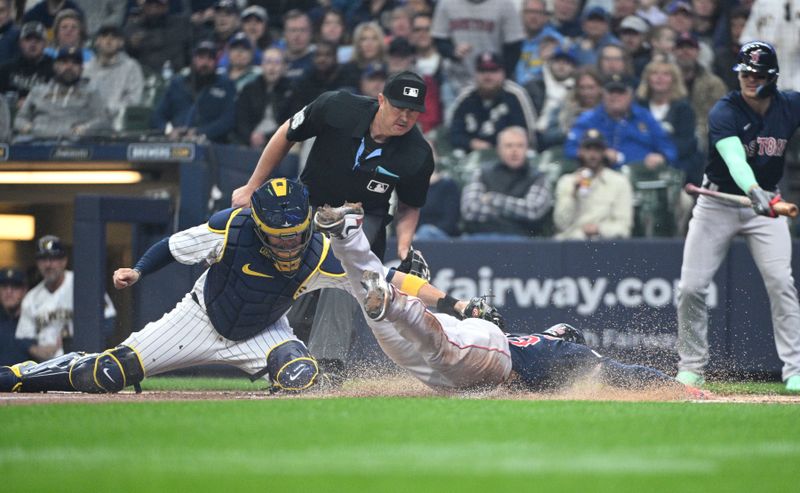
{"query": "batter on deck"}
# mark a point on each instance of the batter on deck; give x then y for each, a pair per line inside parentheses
(748, 131)
(262, 258)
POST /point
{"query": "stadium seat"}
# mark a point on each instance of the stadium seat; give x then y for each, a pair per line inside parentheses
(136, 118)
(655, 198)
(554, 164)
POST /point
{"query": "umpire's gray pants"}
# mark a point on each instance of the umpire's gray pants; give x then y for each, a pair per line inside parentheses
(713, 226)
(338, 321)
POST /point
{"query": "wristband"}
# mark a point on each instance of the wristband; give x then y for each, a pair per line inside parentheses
(447, 305)
(412, 284)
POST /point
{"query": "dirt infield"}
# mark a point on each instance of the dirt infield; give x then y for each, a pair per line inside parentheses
(397, 386)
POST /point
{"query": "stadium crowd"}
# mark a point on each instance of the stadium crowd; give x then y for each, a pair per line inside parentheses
(634, 79)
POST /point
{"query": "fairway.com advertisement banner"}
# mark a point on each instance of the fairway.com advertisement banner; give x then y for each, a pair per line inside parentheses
(622, 294)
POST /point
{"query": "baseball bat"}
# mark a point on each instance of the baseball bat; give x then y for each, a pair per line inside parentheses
(782, 208)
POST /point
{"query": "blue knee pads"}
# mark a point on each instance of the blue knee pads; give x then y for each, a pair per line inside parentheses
(110, 371)
(291, 366)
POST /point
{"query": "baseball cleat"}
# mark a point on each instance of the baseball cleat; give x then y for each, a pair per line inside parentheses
(793, 383)
(11, 376)
(339, 221)
(376, 301)
(690, 378)
(698, 394)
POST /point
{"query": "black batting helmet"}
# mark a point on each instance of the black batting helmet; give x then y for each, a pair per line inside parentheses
(759, 57)
(282, 215)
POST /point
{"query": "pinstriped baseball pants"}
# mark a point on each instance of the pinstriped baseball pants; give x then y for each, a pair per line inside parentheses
(713, 226)
(184, 337)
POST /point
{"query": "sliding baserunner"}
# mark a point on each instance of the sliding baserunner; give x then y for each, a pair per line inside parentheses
(464, 346)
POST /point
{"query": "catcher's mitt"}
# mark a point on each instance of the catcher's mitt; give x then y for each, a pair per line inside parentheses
(415, 264)
(479, 308)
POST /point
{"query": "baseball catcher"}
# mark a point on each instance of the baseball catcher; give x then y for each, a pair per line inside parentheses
(261, 257)
(464, 346)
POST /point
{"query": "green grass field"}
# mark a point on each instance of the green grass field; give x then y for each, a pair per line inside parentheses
(399, 444)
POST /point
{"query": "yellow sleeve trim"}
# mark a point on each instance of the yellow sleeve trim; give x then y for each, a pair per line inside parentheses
(227, 228)
(412, 284)
(302, 288)
(326, 244)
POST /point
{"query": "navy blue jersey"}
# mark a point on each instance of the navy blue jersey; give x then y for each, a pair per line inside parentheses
(545, 363)
(764, 137)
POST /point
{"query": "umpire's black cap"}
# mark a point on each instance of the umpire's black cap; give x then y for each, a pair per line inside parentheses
(50, 246)
(406, 90)
(12, 276)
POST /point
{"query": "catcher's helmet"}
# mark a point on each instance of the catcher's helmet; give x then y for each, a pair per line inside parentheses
(282, 215)
(759, 57)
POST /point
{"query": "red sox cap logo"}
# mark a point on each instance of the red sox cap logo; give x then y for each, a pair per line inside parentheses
(754, 56)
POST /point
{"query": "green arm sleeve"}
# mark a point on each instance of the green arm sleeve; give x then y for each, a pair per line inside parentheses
(732, 152)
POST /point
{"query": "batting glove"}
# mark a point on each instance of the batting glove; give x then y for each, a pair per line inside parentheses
(762, 201)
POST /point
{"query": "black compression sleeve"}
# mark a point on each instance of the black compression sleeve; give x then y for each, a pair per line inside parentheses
(448, 305)
(156, 257)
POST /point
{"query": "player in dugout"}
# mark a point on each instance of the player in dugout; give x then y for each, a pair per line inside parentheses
(464, 346)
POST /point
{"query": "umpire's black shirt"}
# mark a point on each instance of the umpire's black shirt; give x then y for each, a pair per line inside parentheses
(345, 164)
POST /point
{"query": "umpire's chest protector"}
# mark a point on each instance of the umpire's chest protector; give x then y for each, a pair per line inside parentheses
(244, 293)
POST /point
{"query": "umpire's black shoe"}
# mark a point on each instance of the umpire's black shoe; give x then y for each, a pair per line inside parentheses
(331, 374)
(339, 221)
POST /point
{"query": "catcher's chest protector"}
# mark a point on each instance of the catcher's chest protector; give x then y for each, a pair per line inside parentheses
(244, 292)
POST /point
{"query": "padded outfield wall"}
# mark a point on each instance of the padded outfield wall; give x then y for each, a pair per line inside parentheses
(622, 294)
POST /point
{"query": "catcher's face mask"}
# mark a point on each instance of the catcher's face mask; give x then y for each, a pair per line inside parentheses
(285, 249)
(283, 222)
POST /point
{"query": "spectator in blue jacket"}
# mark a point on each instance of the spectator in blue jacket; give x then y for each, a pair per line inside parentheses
(200, 103)
(537, 25)
(9, 33)
(632, 133)
(596, 23)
